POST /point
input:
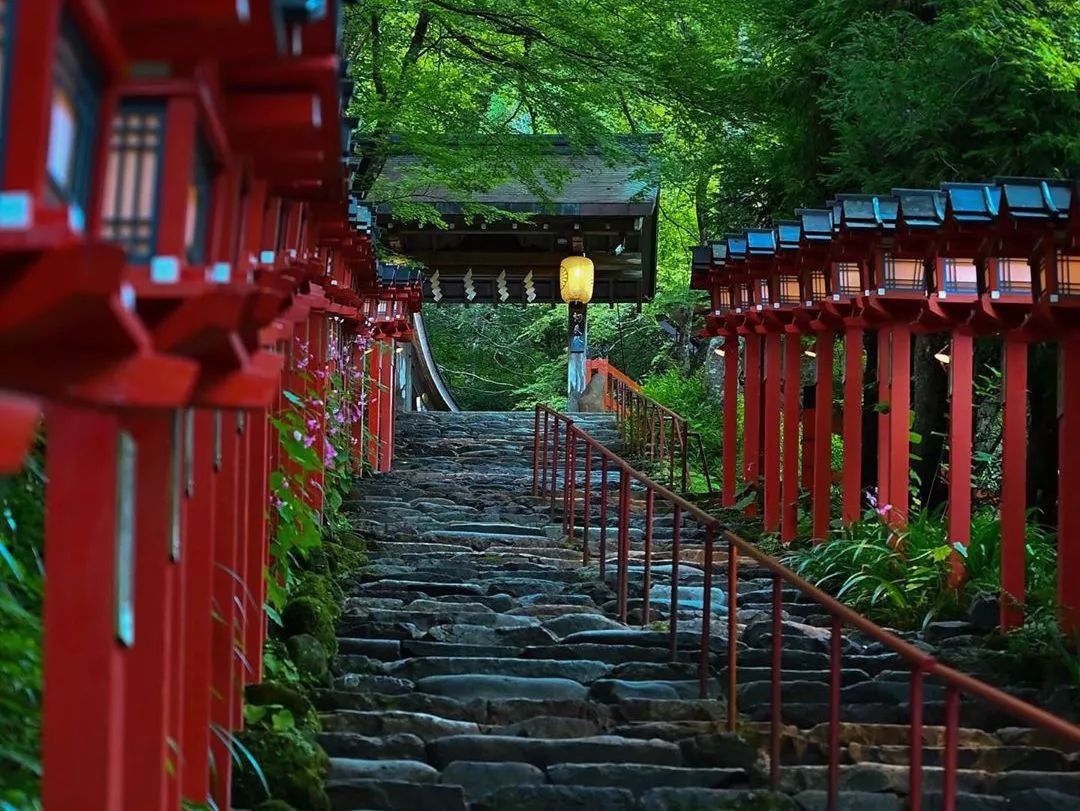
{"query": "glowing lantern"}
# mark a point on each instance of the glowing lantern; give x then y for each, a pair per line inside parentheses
(576, 279)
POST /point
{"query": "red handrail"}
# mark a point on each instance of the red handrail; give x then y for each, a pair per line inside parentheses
(649, 429)
(548, 425)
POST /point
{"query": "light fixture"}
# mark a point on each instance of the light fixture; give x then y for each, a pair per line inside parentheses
(720, 351)
(943, 357)
(576, 274)
(810, 353)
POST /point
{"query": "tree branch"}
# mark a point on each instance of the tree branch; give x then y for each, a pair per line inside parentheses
(377, 79)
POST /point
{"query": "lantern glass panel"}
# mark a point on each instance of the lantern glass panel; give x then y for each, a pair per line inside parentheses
(848, 279)
(789, 290)
(199, 193)
(763, 291)
(905, 274)
(1013, 275)
(132, 178)
(73, 119)
(959, 276)
(1068, 282)
(723, 299)
(818, 291)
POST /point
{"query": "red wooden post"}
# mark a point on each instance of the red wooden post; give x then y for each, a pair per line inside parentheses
(258, 529)
(224, 689)
(822, 435)
(148, 680)
(792, 391)
(853, 404)
(198, 555)
(1069, 482)
(1013, 482)
(900, 423)
(83, 721)
(731, 417)
(752, 415)
(772, 419)
(386, 420)
(960, 427)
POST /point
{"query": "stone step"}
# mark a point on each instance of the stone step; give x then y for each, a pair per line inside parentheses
(545, 752)
(580, 670)
(390, 795)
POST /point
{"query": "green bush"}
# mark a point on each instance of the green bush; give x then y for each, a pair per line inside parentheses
(293, 766)
(310, 615)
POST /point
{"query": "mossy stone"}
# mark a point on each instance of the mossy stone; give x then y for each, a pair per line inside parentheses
(293, 765)
(285, 695)
(309, 656)
(309, 615)
(320, 586)
(343, 561)
(275, 805)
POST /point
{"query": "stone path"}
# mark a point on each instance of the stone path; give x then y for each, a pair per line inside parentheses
(480, 667)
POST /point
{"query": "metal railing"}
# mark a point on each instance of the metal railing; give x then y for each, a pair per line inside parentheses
(549, 446)
(651, 431)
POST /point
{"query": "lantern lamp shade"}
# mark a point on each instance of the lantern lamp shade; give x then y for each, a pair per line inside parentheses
(903, 275)
(1012, 276)
(789, 290)
(1068, 276)
(960, 276)
(817, 285)
(576, 275)
(847, 281)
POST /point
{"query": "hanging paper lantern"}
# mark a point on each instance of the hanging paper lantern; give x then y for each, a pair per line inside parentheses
(576, 279)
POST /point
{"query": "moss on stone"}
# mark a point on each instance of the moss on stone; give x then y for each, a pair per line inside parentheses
(275, 805)
(343, 560)
(288, 696)
(310, 615)
(322, 587)
(310, 658)
(293, 765)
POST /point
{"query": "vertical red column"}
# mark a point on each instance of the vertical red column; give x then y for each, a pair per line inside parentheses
(198, 555)
(771, 422)
(242, 584)
(223, 633)
(386, 406)
(792, 390)
(960, 426)
(823, 346)
(1014, 482)
(374, 361)
(175, 662)
(884, 446)
(752, 414)
(1069, 482)
(148, 680)
(83, 720)
(258, 535)
(731, 417)
(900, 423)
(853, 413)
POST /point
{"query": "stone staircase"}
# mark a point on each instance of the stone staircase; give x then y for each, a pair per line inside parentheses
(480, 666)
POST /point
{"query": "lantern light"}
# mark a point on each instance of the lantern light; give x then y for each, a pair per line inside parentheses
(576, 274)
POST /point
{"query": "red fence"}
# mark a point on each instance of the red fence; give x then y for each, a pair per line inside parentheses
(649, 429)
(557, 444)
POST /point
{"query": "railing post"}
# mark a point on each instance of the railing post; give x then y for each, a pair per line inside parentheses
(603, 518)
(776, 716)
(730, 428)
(536, 448)
(554, 466)
(676, 543)
(624, 541)
(706, 613)
(684, 442)
(834, 712)
(586, 506)
(733, 634)
(544, 455)
(649, 505)
(569, 481)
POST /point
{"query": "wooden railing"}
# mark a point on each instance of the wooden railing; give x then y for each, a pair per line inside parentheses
(651, 431)
(560, 447)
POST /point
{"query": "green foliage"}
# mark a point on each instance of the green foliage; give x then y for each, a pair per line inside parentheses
(293, 765)
(21, 591)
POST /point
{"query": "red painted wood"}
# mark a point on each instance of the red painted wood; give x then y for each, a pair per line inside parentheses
(900, 424)
(1013, 482)
(792, 393)
(823, 346)
(851, 497)
(960, 438)
(386, 420)
(19, 418)
(731, 418)
(806, 473)
(83, 721)
(258, 537)
(884, 446)
(224, 690)
(771, 422)
(1069, 482)
(245, 610)
(752, 414)
(29, 98)
(148, 679)
(198, 555)
(179, 152)
(177, 650)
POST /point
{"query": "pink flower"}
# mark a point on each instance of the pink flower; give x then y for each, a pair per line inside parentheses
(329, 454)
(312, 424)
(883, 511)
(309, 440)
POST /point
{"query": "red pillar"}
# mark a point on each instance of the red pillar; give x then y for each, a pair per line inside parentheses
(731, 417)
(224, 691)
(386, 406)
(1014, 482)
(960, 426)
(752, 415)
(900, 423)
(373, 404)
(1069, 482)
(792, 390)
(198, 555)
(823, 435)
(853, 407)
(148, 679)
(83, 724)
(258, 536)
(771, 422)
